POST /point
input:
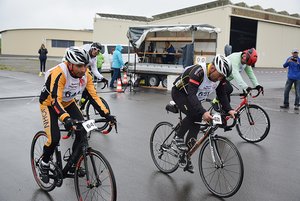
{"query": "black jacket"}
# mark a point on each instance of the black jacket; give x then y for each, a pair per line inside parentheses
(43, 53)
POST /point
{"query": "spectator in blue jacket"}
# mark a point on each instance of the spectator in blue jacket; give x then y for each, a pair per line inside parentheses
(293, 65)
(117, 64)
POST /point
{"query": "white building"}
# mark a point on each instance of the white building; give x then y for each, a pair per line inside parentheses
(26, 42)
(273, 34)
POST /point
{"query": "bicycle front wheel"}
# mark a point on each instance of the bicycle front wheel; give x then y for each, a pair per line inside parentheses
(36, 153)
(162, 148)
(101, 184)
(224, 176)
(92, 113)
(253, 124)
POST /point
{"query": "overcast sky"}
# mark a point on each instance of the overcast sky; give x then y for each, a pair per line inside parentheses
(79, 14)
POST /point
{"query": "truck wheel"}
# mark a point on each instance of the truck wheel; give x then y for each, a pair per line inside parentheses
(153, 81)
(164, 82)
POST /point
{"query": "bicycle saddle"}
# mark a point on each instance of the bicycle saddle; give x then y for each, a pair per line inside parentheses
(172, 107)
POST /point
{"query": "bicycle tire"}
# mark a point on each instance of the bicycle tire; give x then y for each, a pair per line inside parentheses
(162, 152)
(105, 188)
(36, 152)
(92, 113)
(257, 131)
(213, 176)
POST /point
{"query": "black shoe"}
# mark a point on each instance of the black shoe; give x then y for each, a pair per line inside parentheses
(179, 142)
(284, 107)
(296, 107)
(44, 169)
(189, 167)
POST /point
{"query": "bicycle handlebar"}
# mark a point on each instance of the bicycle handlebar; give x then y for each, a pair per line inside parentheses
(78, 124)
(246, 93)
(98, 81)
(105, 85)
(111, 125)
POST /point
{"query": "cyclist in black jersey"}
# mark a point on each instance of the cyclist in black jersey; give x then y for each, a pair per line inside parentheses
(193, 86)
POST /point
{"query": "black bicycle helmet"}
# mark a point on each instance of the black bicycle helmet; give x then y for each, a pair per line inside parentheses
(78, 56)
(97, 46)
(223, 65)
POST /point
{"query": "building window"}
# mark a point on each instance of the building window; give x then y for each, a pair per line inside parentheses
(87, 42)
(62, 43)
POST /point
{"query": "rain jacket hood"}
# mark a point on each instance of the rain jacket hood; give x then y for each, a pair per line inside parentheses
(119, 48)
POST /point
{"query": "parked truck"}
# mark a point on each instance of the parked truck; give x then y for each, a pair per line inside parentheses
(192, 43)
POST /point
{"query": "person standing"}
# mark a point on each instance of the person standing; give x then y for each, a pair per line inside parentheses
(43, 57)
(117, 64)
(170, 50)
(100, 61)
(293, 77)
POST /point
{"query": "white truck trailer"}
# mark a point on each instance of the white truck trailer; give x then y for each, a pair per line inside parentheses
(193, 44)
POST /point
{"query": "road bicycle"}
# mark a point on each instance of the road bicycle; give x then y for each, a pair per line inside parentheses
(93, 176)
(219, 161)
(253, 122)
(88, 110)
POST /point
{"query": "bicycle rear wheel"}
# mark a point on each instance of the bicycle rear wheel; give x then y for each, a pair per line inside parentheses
(253, 124)
(36, 152)
(92, 113)
(101, 184)
(162, 148)
(225, 177)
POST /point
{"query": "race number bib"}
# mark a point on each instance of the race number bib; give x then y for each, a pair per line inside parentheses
(217, 119)
(89, 125)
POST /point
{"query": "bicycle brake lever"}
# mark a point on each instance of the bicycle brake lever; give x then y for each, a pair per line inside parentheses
(68, 135)
(105, 132)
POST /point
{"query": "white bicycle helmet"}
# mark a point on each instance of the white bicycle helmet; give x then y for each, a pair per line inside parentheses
(223, 65)
(78, 56)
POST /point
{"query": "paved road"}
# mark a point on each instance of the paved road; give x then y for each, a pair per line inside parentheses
(271, 167)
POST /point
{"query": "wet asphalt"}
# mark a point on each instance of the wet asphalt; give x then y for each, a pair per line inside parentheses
(271, 166)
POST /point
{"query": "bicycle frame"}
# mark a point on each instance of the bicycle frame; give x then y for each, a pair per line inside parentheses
(81, 148)
(208, 134)
(243, 103)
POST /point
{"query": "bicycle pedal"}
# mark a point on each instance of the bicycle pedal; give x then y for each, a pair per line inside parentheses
(187, 169)
(182, 165)
(227, 129)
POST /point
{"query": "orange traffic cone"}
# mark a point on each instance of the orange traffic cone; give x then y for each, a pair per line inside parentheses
(125, 78)
(119, 86)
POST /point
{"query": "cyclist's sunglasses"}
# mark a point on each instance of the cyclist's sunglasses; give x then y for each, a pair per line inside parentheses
(94, 48)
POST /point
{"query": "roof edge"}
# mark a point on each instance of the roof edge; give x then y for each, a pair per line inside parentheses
(125, 17)
(84, 30)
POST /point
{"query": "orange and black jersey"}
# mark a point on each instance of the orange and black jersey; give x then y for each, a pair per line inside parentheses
(60, 89)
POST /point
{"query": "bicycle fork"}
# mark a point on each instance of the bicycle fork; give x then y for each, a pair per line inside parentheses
(215, 153)
(89, 184)
(249, 116)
